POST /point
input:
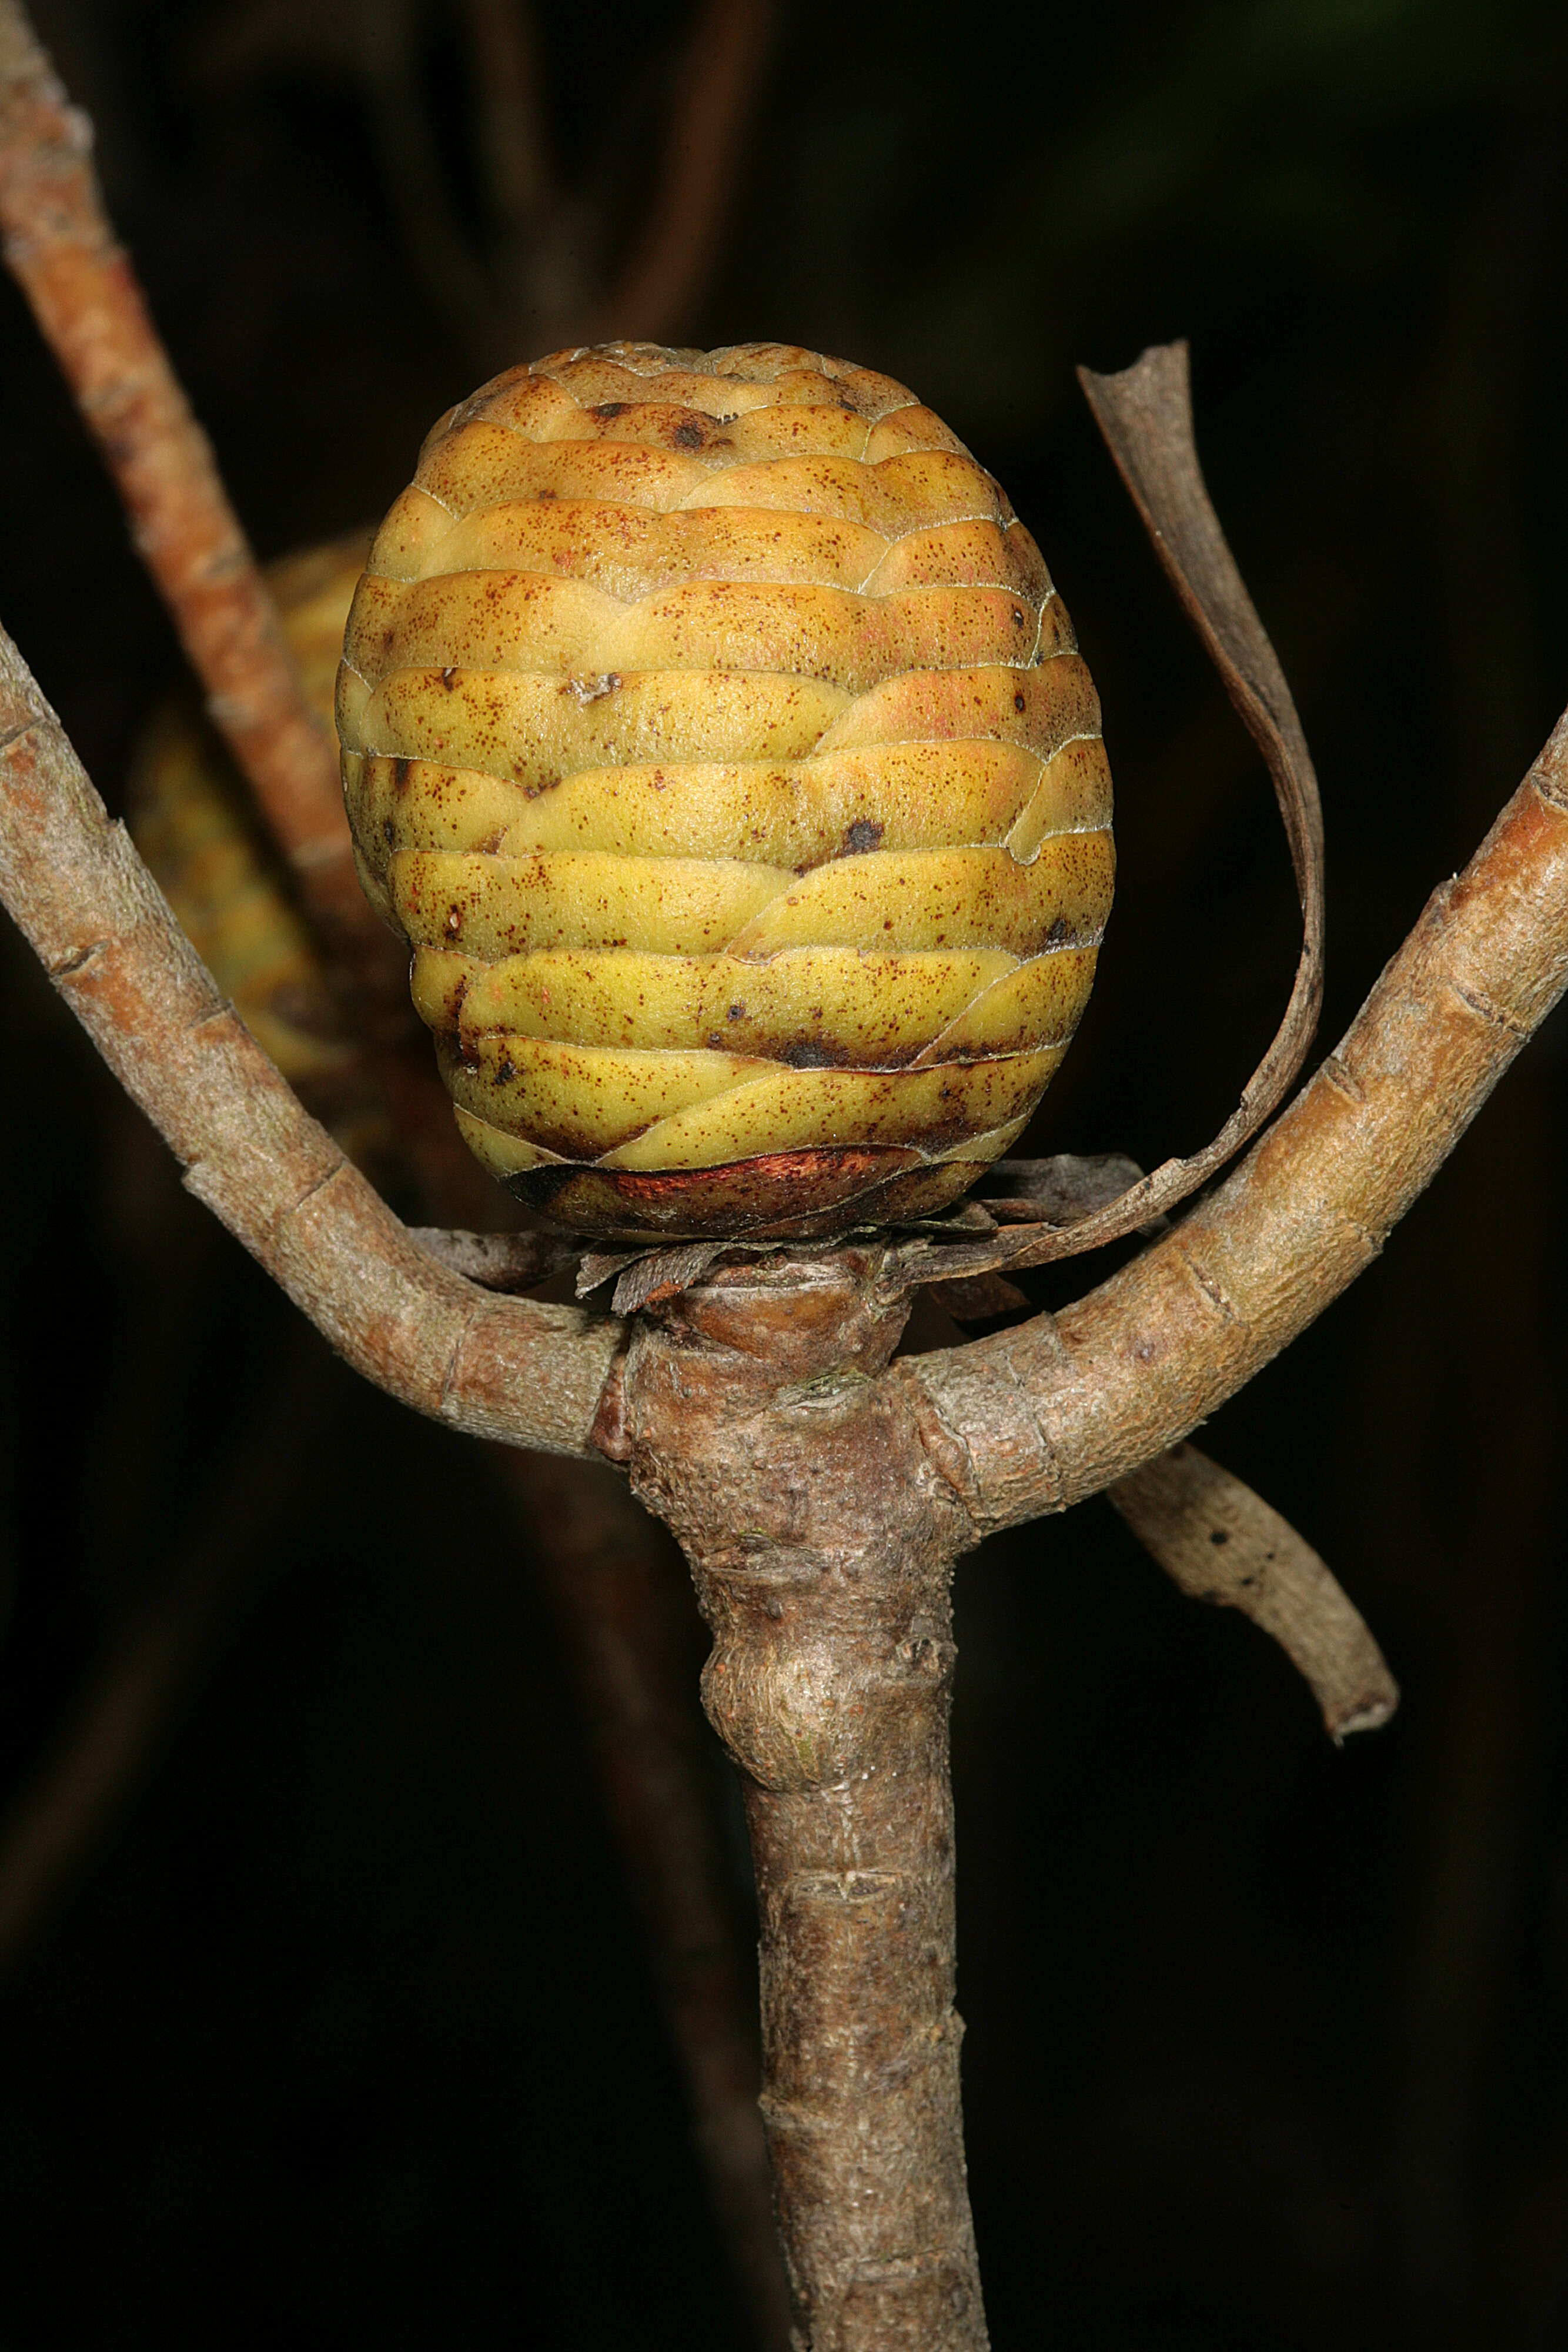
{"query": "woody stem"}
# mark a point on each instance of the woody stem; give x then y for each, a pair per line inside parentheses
(755, 1424)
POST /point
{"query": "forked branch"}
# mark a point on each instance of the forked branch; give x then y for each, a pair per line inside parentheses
(1029, 1421)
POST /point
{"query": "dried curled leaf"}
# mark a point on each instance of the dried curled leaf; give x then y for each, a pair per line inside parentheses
(1145, 416)
(1222, 1543)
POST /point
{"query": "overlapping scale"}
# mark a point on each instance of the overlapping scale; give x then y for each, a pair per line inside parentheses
(714, 733)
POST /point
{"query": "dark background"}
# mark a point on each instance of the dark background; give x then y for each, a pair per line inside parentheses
(341, 2032)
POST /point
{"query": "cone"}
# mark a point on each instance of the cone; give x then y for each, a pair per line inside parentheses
(713, 731)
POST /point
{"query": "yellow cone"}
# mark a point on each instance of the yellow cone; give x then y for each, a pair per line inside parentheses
(714, 733)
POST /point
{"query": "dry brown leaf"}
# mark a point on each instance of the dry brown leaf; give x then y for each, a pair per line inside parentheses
(1222, 1543)
(1145, 414)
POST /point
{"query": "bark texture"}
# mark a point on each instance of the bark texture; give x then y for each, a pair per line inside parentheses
(755, 1422)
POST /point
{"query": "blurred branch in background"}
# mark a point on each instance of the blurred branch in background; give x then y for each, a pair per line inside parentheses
(516, 258)
(235, 1531)
(654, 295)
(512, 140)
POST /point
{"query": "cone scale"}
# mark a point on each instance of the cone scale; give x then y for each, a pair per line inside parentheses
(714, 735)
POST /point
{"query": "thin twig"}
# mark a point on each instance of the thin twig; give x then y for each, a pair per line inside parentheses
(61, 248)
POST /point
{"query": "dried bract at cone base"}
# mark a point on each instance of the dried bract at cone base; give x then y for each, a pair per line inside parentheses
(713, 731)
(847, 1186)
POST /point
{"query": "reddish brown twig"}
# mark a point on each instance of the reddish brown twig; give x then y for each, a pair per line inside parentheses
(62, 251)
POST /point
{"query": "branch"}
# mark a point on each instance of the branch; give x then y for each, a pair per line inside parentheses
(61, 248)
(758, 1425)
(525, 1372)
(1029, 1421)
(1036, 1418)
(1221, 1543)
